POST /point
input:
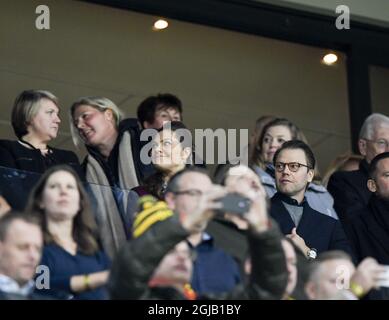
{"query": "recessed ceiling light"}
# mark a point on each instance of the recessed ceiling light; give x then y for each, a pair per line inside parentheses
(160, 24)
(329, 59)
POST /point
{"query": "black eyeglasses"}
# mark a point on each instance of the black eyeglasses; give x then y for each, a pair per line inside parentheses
(190, 192)
(292, 166)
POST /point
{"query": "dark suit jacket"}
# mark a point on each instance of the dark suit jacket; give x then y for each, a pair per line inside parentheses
(369, 233)
(349, 190)
(318, 230)
(14, 155)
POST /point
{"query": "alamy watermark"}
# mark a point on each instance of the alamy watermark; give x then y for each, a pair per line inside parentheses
(42, 281)
(343, 278)
(343, 20)
(206, 144)
(42, 22)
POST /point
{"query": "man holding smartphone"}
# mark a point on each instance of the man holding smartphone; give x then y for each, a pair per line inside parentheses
(214, 269)
(150, 267)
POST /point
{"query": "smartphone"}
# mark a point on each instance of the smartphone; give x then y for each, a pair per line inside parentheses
(235, 203)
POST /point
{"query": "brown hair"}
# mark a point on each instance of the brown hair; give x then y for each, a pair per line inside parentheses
(296, 133)
(84, 225)
(256, 157)
(7, 220)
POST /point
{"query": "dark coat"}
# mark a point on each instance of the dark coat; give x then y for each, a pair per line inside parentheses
(15, 155)
(16, 185)
(229, 238)
(349, 190)
(318, 230)
(136, 261)
(368, 231)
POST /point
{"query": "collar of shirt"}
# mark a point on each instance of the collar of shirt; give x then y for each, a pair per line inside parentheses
(9, 285)
(289, 200)
(206, 239)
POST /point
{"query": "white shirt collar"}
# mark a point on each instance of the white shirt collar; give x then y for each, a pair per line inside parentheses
(9, 285)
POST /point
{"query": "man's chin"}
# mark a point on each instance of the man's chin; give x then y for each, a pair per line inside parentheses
(286, 191)
(25, 278)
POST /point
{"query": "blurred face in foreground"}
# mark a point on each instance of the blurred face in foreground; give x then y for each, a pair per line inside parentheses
(291, 266)
(330, 279)
(175, 269)
(20, 251)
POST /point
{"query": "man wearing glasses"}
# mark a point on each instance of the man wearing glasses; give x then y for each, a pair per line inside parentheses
(214, 270)
(312, 231)
(349, 189)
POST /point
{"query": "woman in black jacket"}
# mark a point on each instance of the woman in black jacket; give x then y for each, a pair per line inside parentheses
(35, 120)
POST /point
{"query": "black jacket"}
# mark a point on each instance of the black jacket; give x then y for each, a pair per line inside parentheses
(15, 155)
(229, 238)
(368, 231)
(349, 190)
(318, 230)
(15, 185)
(137, 260)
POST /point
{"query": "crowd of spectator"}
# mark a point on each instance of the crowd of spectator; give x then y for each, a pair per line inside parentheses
(144, 218)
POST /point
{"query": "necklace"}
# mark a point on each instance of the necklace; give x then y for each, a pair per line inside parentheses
(44, 151)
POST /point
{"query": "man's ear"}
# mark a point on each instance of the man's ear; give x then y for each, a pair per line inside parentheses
(186, 153)
(362, 146)
(109, 114)
(310, 290)
(371, 185)
(311, 174)
(169, 199)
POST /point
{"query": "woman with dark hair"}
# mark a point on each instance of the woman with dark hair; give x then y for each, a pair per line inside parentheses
(273, 135)
(78, 268)
(35, 121)
(170, 152)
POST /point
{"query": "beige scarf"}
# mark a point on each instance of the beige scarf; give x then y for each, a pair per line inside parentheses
(108, 216)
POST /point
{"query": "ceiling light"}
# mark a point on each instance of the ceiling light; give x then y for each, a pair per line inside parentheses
(329, 59)
(160, 24)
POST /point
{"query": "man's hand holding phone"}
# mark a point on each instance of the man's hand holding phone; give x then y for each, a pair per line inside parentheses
(245, 182)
